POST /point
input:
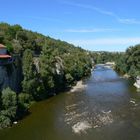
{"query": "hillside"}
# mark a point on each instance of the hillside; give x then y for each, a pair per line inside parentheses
(41, 67)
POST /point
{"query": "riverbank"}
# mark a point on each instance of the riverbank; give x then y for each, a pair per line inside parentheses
(106, 108)
(79, 86)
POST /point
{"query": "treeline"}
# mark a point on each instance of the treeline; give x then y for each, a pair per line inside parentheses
(127, 62)
(49, 66)
(103, 57)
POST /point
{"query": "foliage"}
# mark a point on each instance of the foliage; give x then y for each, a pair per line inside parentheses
(126, 62)
(12, 106)
(28, 72)
(8, 107)
(4, 121)
(48, 67)
(24, 100)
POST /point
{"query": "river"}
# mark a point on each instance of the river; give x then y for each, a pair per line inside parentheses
(108, 108)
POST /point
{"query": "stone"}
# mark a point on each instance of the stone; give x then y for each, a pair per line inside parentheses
(137, 83)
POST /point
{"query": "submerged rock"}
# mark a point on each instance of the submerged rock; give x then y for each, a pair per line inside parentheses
(81, 127)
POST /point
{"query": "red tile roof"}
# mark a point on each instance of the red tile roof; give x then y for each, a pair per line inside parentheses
(5, 56)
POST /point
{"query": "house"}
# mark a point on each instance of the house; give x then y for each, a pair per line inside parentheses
(5, 57)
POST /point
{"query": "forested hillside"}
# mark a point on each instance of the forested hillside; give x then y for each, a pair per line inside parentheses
(48, 66)
(43, 66)
(102, 57)
(127, 62)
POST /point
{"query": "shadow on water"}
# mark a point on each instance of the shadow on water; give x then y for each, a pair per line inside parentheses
(107, 109)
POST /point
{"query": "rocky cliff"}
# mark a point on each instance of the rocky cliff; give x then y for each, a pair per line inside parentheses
(137, 83)
(11, 76)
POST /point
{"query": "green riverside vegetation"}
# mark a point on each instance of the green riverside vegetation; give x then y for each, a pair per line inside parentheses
(48, 67)
(127, 62)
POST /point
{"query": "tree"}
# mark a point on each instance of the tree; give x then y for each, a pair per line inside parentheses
(9, 103)
(69, 79)
(28, 72)
(4, 121)
(132, 61)
(47, 68)
(24, 101)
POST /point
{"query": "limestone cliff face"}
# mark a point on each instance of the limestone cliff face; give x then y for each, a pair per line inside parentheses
(11, 76)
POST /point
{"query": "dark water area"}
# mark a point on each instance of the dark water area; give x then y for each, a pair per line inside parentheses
(108, 108)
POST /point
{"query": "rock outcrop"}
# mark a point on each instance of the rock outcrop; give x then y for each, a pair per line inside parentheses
(137, 83)
(11, 76)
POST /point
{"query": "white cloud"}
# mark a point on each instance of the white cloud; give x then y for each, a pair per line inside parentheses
(106, 41)
(85, 6)
(105, 12)
(129, 21)
(95, 30)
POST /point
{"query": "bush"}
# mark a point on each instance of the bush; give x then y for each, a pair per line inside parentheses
(8, 107)
(24, 101)
(4, 121)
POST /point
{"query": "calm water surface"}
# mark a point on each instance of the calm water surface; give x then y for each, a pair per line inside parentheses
(107, 109)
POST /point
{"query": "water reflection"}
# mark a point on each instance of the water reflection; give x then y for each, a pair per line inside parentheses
(108, 108)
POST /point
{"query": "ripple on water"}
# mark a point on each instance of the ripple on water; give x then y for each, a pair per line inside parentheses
(103, 119)
(82, 120)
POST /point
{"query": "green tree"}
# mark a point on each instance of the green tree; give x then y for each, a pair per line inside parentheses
(4, 121)
(24, 102)
(47, 68)
(9, 103)
(29, 82)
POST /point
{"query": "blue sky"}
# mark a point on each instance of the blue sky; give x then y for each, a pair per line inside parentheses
(110, 25)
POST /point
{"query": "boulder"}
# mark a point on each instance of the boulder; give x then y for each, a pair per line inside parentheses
(137, 83)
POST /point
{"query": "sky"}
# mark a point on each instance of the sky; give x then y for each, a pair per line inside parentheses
(96, 25)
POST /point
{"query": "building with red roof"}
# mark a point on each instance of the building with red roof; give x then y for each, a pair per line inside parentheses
(5, 57)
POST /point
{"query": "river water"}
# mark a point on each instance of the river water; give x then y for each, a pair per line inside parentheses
(108, 108)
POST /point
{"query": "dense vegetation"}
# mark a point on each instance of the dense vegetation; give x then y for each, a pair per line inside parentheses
(126, 62)
(103, 57)
(129, 62)
(48, 67)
